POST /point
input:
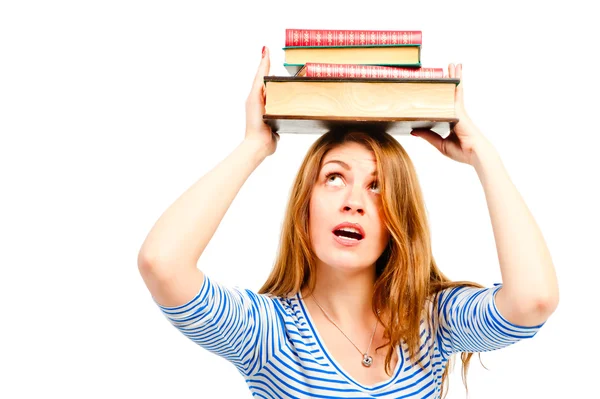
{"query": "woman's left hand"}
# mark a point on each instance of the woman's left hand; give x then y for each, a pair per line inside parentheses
(465, 136)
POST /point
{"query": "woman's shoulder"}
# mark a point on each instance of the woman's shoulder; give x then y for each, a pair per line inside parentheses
(290, 308)
(286, 304)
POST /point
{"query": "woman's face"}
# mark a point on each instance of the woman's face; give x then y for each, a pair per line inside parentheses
(347, 191)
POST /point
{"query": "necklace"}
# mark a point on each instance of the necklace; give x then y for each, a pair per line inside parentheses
(367, 360)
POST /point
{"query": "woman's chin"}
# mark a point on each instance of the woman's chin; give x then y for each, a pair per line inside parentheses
(348, 263)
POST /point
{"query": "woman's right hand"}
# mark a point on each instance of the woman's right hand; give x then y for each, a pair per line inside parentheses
(257, 131)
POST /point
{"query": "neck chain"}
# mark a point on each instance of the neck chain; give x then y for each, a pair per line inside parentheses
(367, 360)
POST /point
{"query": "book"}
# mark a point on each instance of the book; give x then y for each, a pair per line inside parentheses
(392, 55)
(311, 69)
(340, 37)
(313, 105)
(367, 47)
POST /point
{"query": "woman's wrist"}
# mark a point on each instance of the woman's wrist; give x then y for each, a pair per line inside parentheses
(256, 148)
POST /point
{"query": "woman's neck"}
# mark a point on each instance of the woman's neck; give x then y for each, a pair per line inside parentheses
(345, 296)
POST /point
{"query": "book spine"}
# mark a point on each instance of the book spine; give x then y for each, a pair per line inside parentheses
(320, 38)
(370, 71)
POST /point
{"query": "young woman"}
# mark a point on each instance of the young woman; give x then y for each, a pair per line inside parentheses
(355, 306)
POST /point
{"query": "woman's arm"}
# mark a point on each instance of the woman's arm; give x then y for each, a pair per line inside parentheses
(168, 257)
(529, 293)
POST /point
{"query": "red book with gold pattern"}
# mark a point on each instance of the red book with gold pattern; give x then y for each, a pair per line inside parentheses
(337, 37)
(311, 69)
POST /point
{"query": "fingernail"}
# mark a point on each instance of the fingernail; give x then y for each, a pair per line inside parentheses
(263, 51)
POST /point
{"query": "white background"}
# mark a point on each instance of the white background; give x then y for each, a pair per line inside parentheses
(109, 110)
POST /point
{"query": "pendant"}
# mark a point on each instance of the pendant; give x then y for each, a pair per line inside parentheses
(367, 360)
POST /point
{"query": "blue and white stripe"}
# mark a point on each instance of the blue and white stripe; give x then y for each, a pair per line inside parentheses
(275, 346)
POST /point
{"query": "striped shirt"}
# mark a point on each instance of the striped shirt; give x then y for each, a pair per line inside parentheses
(273, 342)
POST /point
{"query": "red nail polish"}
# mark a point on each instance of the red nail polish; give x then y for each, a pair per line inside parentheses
(263, 52)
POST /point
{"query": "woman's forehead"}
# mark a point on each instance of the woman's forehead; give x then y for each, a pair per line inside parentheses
(351, 153)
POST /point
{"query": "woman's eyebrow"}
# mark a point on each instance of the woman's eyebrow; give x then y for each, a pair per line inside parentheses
(345, 165)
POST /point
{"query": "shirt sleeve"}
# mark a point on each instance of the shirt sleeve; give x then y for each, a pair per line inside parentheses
(469, 321)
(235, 324)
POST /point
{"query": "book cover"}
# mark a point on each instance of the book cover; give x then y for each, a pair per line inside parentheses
(298, 124)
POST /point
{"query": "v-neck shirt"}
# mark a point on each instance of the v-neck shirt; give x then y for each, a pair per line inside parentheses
(273, 343)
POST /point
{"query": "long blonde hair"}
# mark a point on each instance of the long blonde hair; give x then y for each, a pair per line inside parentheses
(406, 272)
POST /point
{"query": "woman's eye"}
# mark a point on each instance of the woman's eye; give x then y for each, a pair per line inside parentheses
(330, 177)
(376, 186)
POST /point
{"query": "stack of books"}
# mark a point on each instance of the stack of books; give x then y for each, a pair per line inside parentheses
(358, 77)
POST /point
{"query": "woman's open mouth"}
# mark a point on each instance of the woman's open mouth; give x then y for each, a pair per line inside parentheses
(347, 238)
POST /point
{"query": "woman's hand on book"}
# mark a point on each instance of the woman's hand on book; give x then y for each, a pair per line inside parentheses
(257, 131)
(465, 136)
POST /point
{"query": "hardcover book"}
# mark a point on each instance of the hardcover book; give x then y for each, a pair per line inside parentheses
(313, 105)
(311, 69)
(339, 37)
(394, 55)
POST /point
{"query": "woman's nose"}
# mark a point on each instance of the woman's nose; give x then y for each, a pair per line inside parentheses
(354, 201)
